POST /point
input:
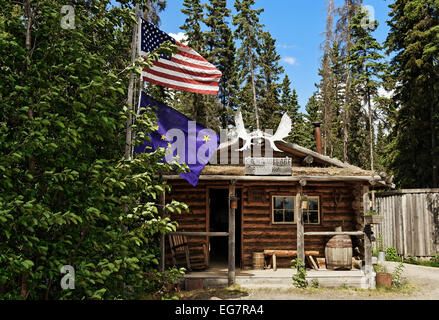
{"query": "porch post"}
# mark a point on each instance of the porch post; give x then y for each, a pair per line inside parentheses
(300, 228)
(231, 268)
(368, 269)
(162, 237)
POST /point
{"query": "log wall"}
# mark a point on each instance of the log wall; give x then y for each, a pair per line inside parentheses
(259, 233)
(339, 205)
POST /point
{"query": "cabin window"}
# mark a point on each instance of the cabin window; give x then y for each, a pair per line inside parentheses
(311, 215)
(283, 209)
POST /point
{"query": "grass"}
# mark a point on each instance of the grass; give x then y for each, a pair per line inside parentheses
(406, 289)
(231, 292)
(416, 261)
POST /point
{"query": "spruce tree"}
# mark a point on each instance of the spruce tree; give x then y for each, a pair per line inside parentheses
(338, 71)
(269, 75)
(306, 121)
(414, 42)
(327, 80)
(221, 52)
(153, 9)
(248, 30)
(343, 29)
(289, 104)
(193, 105)
(366, 65)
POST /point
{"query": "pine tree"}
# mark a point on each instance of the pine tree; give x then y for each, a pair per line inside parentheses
(193, 105)
(153, 9)
(338, 71)
(222, 53)
(346, 13)
(413, 39)
(305, 125)
(365, 62)
(248, 30)
(327, 79)
(289, 104)
(357, 133)
(381, 148)
(269, 75)
(151, 14)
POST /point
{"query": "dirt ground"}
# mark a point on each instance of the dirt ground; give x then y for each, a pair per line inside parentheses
(422, 283)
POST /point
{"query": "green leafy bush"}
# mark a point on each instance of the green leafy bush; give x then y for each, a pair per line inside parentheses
(392, 254)
(379, 268)
(435, 258)
(411, 259)
(299, 279)
(67, 196)
(396, 275)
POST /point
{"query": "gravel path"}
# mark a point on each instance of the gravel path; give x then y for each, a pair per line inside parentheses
(423, 284)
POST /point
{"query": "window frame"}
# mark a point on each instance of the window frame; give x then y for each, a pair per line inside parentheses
(294, 209)
(318, 211)
(294, 222)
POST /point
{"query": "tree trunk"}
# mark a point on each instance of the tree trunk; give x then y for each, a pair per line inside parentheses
(348, 85)
(370, 130)
(129, 122)
(433, 147)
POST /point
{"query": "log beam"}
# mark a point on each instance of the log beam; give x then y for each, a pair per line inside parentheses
(231, 268)
(300, 227)
(334, 233)
(200, 234)
(320, 178)
(368, 268)
(289, 253)
(162, 238)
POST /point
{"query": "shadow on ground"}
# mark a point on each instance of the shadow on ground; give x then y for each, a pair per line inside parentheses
(215, 294)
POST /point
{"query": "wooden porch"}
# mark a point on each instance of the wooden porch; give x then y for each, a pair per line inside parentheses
(217, 276)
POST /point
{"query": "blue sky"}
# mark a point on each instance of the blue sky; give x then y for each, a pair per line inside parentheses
(297, 26)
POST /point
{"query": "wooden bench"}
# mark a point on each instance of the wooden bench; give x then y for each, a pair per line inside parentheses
(273, 254)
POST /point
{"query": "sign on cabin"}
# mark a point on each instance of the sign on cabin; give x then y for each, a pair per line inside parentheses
(268, 166)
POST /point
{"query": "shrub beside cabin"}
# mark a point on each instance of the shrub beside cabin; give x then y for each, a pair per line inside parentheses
(252, 204)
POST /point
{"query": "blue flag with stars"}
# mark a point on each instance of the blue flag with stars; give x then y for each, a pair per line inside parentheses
(185, 141)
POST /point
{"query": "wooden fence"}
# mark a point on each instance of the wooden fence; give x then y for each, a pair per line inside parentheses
(411, 221)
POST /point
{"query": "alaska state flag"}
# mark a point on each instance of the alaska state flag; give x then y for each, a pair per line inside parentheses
(185, 140)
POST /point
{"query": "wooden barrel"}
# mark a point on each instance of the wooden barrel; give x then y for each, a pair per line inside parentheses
(258, 260)
(338, 253)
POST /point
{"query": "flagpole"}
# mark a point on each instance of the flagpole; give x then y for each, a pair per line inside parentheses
(128, 138)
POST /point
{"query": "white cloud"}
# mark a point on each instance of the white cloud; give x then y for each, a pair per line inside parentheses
(290, 60)
(180, 37)
(384, 93)
(286, 46)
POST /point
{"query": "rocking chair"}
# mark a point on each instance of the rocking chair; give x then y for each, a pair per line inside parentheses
(179, 247)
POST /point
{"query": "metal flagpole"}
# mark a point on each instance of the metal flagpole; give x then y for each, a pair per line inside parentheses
(128, 138)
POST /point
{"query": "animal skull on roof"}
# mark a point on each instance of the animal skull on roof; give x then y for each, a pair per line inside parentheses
(282, 132)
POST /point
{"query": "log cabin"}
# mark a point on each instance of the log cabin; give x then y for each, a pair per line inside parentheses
(293, 200)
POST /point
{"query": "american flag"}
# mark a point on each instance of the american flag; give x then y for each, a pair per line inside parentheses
(186, 70)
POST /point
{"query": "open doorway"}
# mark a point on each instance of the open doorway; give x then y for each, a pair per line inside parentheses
(219, 222)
